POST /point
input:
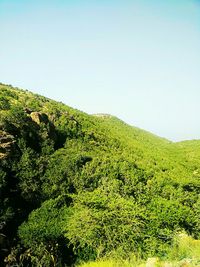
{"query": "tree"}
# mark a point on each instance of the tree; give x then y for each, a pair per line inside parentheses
(102, 221)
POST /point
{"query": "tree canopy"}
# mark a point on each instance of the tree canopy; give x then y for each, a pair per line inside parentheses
(77, 187)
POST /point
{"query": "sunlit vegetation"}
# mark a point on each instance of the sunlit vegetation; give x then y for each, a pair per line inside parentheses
(89, 191)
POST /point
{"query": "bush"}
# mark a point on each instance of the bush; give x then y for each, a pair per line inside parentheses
(102, 222)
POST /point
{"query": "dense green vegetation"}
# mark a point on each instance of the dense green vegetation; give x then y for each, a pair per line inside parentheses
(76, 187)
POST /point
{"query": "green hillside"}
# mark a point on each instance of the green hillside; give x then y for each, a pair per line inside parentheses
(76, 187)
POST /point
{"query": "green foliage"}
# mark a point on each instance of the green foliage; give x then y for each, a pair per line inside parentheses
(28, 170)
(44, 224)
(42, 233)
(185, 251)
(185, 246)
(104, 221)
(4, 103)
(77, 187)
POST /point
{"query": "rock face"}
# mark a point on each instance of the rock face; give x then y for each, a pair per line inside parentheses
(42, 118)
(6, 143)
(102, 115)
(38, 117)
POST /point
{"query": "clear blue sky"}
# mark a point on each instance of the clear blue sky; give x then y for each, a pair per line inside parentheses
(136, 59)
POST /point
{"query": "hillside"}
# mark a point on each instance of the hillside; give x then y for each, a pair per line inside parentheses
(76, 187)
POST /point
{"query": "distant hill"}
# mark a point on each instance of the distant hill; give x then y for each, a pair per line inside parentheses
(77, 187)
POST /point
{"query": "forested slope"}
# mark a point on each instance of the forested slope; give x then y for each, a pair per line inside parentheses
(77, 187)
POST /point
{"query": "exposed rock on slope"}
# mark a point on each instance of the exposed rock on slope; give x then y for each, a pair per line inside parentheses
(6, 143)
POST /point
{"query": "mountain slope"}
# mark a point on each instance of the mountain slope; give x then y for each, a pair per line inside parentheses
(76, 187)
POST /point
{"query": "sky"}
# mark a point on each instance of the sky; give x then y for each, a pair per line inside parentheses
(136, 59)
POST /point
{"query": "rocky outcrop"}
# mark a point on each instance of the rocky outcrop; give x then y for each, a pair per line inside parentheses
(6, 143)
(102, 115)
(38, 117)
